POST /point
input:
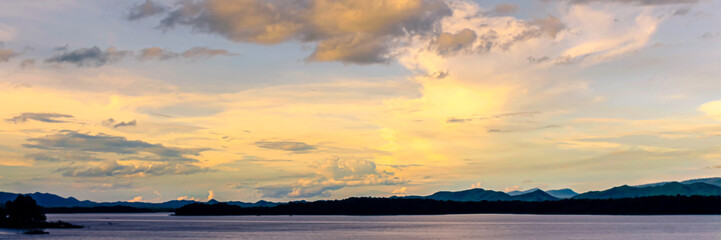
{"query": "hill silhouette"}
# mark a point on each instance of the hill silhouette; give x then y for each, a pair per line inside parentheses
(667, 189)
(562, 193)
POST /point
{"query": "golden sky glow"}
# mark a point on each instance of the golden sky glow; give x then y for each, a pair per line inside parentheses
(281, 100)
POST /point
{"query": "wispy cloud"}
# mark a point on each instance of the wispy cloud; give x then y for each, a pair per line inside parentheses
(101, 143)
(89, 57)
(286, 146)
(147, 9)
(41, 117)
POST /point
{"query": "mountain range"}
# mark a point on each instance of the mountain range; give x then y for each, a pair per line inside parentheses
(703, 187)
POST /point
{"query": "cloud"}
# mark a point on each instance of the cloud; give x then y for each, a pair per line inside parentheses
(520, 129)
(505, 8)
(115, 168)
(211, 195)
(156, 53)
(635, 2)
(476, 185)
(147, 9)
(136, 199)
(349, 31)
(7, 54)
(710, 35)
(451, 43)
(27, 64)
(712, 109)
(89, 57)
(331, 174)
(63, 156)
(41, 117)
(400, 191)
(682, 11)
(513, 114)
(286, 146)
(458, 120)
(74, 141)
(112, 123)
(537, 60)
(203, 52)
(513, 188)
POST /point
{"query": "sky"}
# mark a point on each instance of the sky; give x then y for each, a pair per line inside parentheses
(157, 100)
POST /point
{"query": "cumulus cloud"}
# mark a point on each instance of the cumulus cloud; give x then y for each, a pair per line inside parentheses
(156, 53)
(7, 54)
(114, 124)
(331, 174)
(89, 57)
(115, 168)
(41, 117)
(67, 140)
(286, 146)
(348, 31)
(147, 9)
(450, 43)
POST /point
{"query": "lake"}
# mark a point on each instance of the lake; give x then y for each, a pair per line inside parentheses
(471, 226)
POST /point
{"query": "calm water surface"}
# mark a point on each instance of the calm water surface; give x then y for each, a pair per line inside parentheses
(473, 226)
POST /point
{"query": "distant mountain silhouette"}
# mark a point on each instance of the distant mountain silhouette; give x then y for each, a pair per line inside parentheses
(517, 192)
(479, 194)
(713, 181)
(470, 195)
(562, 193)
(703, 187)
(49, 200)
(667, 189)
(536, 196)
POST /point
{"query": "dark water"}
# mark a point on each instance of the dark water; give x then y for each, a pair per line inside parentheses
(474, 226)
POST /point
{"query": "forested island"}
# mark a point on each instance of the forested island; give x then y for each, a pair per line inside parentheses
(657, 205)
(24, 213)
